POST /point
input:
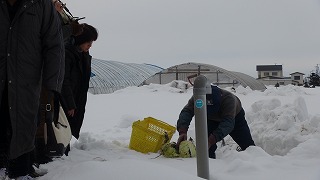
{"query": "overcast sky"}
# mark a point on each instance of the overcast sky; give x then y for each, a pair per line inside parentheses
(235, 35)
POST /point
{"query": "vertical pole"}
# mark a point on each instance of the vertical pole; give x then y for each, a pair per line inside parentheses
(218, 77)
(177, 77)
(200, 111)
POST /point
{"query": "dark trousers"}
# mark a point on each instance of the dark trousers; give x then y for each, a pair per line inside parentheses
(4, 129)
(240, 133)
(16, 167)
(20, 166)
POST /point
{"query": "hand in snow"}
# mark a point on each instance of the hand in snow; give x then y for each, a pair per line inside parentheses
(181, 138)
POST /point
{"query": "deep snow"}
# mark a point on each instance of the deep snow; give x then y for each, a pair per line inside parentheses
(284, 123)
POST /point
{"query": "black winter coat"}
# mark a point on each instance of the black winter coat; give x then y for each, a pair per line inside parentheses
(31, 55)
(76, 85)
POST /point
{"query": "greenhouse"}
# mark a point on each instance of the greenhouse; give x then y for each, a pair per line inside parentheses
(109, 76)
(215, 75)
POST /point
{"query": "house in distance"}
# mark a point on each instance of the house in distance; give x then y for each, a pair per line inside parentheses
(273, 74)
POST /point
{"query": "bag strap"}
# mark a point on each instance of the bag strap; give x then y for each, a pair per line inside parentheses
(44, 116)
(49, 106)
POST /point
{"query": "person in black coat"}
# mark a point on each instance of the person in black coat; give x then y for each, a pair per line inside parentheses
(76, 79)
(31, 56)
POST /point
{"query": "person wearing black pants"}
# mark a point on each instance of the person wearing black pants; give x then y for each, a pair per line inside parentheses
(225, 116)
(240, 133)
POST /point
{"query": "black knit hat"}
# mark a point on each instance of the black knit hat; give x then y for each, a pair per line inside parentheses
(89, 34)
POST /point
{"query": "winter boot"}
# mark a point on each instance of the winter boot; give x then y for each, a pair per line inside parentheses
(36, 171)
(3, 174)
(27, 177)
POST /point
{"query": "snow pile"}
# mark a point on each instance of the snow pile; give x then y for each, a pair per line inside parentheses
(277, 127)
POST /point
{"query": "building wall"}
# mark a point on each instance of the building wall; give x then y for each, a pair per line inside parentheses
(262, 74)
(297, 78)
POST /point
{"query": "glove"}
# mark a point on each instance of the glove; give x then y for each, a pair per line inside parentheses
(211, 140)
(182, 136)
(77, 28)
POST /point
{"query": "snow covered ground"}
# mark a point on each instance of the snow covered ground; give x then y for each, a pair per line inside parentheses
(284, 122)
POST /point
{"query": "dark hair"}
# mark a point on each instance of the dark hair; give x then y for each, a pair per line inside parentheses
(89, 34)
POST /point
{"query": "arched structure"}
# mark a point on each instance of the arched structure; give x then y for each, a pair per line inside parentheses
(109, 76)
(215, 75)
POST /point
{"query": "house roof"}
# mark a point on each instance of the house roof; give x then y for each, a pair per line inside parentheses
(269, 67)
(297, 73)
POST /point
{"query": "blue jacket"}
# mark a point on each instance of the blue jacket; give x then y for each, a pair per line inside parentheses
(222, 107)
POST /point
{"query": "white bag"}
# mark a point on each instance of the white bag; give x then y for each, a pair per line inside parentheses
(57, 135)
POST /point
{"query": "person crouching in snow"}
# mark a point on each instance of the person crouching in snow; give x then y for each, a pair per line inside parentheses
(225, 115)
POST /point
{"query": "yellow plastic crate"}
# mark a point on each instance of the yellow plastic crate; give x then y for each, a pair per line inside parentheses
(149, 135)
